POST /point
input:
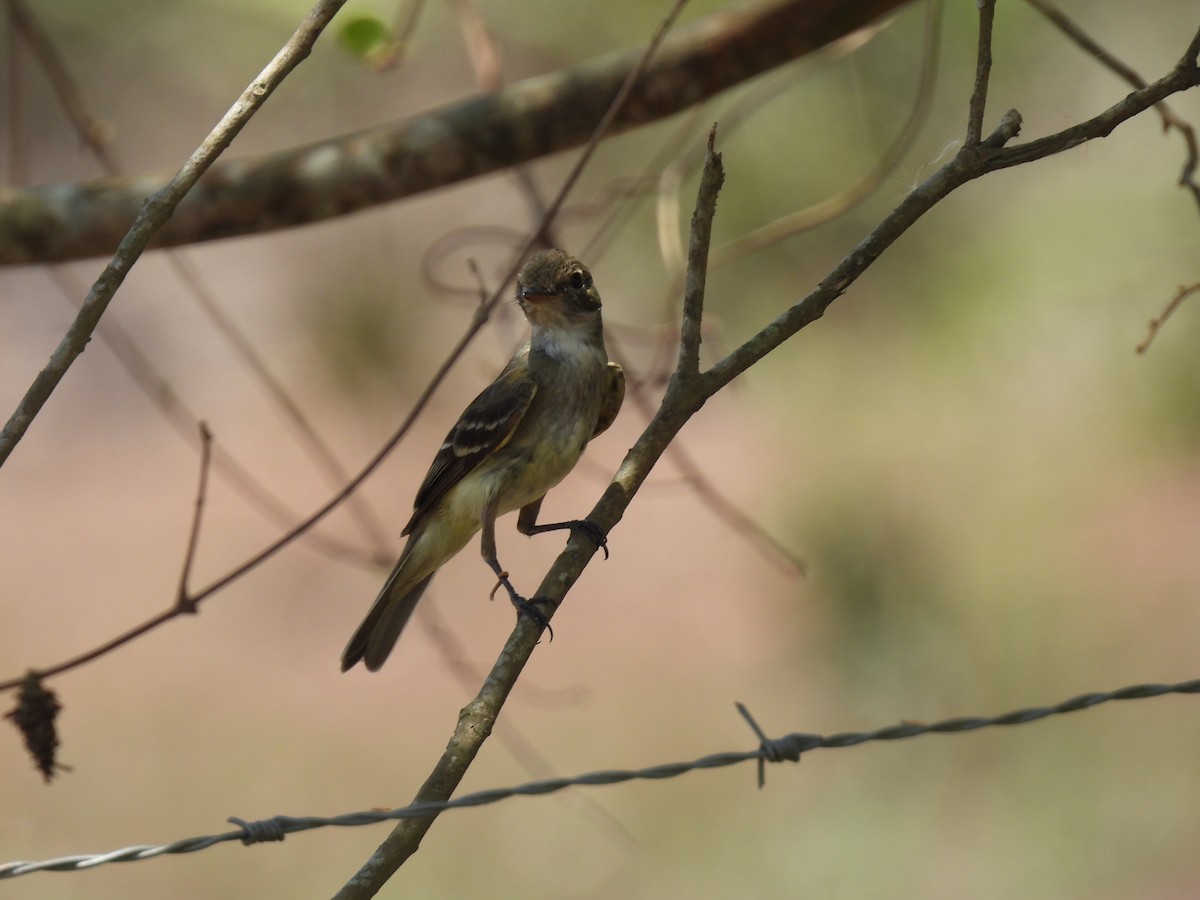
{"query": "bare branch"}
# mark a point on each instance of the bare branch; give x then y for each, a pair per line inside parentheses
(157, 209)
(476, 721)
(309, 439)
(969, 163)
(183, 601)
(406, 25)
(983, 71)
(842, 202)
(186, 423)
(91, 131)
(701, 235)
(1158, 321)
(1187, 177)
(91, 134)
(1179, 79)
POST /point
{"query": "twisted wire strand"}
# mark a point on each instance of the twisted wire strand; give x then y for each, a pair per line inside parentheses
(789, 748)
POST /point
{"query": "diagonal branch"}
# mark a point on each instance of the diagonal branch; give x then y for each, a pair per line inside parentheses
(1170, 118)
(968, 164)
(482, 312)
(183, 599)
(91, 134)
(830, 208)
(154, 214)
(466, 742)
(685, 396)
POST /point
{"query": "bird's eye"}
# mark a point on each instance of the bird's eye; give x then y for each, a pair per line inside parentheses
(578, 279)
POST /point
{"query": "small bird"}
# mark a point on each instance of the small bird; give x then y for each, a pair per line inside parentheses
(513, 443)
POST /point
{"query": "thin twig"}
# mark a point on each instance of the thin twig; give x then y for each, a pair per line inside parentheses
(842, 202)
(706, 491)
(1157, 323)
(774, 551)
(183, 601)
(1187, 176)
(990, 155)
(154, 215)
(671, 176)
(406, 25)
(317, 448)
(91, 131)
(18, 169)
(186, 423)
(983, 70)
(91, 134)
(697, 268)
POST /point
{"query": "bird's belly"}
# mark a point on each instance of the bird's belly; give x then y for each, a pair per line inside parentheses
(529, 472)
(516, 475)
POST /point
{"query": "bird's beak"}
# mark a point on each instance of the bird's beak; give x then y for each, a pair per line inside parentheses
(535, 296)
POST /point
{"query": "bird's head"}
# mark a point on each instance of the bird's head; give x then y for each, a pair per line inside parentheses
(555, 291)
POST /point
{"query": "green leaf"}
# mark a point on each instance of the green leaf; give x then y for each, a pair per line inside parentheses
(366, 38)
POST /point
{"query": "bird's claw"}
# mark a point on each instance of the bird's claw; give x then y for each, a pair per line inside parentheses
(593, 531)
(501, 582)
(529, 609)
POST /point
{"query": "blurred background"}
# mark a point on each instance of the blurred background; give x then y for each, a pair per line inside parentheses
(995, 497)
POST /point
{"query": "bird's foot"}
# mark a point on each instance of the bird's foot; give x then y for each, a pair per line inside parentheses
(527, 608)
(586, 527)
(591, 530)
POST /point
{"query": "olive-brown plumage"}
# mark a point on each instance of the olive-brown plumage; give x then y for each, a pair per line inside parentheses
(513, 443)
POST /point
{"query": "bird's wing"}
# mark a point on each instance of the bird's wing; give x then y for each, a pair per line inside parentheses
(614, 396)
(483, 428)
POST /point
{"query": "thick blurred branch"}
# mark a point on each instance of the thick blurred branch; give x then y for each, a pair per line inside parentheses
(473, 137)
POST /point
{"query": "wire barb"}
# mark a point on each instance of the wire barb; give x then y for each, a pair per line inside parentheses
(259, 832)
(785, 749)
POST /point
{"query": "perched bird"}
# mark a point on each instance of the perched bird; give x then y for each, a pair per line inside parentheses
(516, 440)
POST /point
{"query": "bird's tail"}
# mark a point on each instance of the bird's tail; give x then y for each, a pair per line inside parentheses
(380, 630)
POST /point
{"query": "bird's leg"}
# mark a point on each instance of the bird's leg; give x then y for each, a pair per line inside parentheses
(527, 525)
(524, 607)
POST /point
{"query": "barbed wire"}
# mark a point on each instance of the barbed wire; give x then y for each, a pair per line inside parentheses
(788, 748)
